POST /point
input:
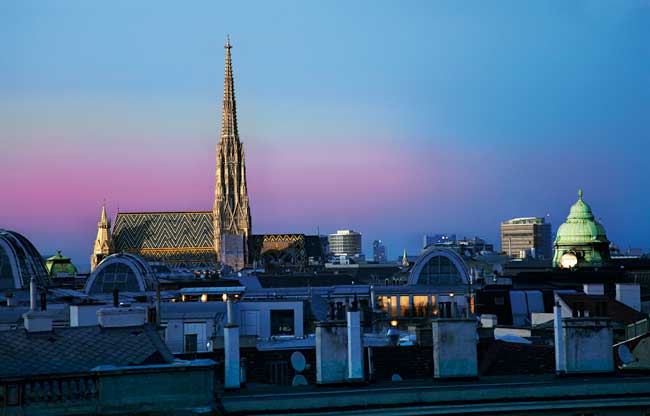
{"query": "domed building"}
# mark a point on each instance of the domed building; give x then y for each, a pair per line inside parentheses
(60, 265)
(581, 241)
(124, 272)
(19, 262)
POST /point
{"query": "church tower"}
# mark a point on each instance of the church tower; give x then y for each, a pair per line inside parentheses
(102, 245)
(231, 212)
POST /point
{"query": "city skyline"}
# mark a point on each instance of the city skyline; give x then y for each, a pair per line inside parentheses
(425, 143)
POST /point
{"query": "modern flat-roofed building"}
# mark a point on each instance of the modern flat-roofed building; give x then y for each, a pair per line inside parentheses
(345, 243)
(378, 252)
(527, 236)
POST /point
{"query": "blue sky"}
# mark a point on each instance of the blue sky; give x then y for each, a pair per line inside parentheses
(391, 118)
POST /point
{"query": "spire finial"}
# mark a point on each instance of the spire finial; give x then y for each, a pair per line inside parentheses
(580, 193)
(227, 46)
(405, 261)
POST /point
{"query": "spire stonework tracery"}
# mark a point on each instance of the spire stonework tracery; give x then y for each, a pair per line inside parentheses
(231, 213)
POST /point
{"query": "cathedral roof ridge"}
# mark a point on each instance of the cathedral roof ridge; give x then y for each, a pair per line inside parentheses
(163, 212)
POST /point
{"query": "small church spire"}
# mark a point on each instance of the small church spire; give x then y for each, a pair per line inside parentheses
(102, 245)
(405, 260)
(103, 218)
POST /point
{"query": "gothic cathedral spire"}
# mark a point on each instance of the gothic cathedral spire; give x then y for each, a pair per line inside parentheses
(231, 213)
(102, 245)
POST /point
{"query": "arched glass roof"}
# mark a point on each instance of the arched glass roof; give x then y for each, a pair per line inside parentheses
(19, 261)
(439, 266)
(125, 272)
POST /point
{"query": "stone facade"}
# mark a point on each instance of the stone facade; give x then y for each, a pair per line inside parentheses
(102, 246)
(231, 213)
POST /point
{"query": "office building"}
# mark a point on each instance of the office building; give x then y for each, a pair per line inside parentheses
(345, 243)
(526, 237)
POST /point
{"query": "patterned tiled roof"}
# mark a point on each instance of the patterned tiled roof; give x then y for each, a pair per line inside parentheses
(163, 230)
(79, 349)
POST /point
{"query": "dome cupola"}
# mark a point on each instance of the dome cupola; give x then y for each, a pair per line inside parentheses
(581, 241)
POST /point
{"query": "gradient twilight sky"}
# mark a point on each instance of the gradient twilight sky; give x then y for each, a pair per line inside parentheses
(390, 118)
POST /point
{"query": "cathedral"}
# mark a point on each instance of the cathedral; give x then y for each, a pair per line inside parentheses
(206, 239)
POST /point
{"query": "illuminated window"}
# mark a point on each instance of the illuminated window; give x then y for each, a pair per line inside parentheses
(404, 305)
(393, 306)
(420, 305)
(383, 303)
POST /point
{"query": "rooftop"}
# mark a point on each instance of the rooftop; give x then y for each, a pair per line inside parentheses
(79, 349)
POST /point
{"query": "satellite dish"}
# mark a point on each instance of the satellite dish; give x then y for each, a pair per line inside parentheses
(624, 354)
(299, 380)
(298, 361)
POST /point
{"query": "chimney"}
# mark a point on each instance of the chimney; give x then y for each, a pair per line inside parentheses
(593, 288)
(560, 363)
(629, 294)
(454, 348)
(121, 317)
(33, 294)
(331, 352)
(355, 342)
(587, 345)
(232, 354)
(35, 320)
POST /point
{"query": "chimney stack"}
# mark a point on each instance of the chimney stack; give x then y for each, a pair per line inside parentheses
(582, 345)
(629, 294)
(355, 342)
(454, 348)
(37, 320)
(33, 294)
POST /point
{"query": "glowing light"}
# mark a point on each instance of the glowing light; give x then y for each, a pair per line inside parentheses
(451, 295)
(393, 323)
(204, 297)
(568, 260)
(224, 297)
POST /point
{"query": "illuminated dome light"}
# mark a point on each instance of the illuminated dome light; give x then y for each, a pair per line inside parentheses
(568, 261)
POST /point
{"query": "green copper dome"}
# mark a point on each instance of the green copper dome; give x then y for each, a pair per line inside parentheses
(60, 265)
(582, 236)
(580, 226)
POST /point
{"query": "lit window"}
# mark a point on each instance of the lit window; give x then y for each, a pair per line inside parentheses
(420, 305)
(393, 306)
(404, 305)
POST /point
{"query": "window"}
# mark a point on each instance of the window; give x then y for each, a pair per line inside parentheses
(195, 336)
(439, 270)
(282, 322)
(115, 276)
(191, 342)
(420, 304)
(444, 309)
(404, 305)
(382, 303)
(393, 306)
